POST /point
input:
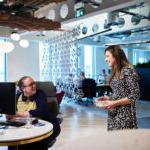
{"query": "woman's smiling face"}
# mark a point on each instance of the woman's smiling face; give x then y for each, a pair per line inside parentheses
(110, 59)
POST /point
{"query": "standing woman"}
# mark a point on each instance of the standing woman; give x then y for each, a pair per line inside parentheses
(124, 83)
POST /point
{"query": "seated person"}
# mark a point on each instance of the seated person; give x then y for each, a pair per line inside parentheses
(70, 78)
(102, 79)
(33, 102)
(79, 92)
(81, 78)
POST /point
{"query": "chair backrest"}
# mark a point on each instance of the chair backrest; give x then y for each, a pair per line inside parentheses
(49, 89)
(89, 87)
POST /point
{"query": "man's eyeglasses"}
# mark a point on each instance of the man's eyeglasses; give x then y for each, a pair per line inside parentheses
(31, 84)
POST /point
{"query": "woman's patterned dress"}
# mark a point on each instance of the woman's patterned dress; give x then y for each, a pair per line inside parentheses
(124, 117)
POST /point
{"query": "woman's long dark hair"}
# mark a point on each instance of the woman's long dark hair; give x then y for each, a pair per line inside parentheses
(121, 60)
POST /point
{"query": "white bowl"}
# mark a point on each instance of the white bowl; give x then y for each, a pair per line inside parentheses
(102, 104)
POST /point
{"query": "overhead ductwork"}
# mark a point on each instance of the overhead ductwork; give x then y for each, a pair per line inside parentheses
(113, 19)
(93, 3)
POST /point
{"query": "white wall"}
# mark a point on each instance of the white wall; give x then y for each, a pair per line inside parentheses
(23, 61)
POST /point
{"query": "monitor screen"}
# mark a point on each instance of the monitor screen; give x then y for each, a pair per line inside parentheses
(7, 98)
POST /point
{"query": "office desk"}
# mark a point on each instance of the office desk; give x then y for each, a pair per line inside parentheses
(16, 136)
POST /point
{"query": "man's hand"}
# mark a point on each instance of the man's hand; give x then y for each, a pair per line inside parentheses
(10, 117)
(23, 114)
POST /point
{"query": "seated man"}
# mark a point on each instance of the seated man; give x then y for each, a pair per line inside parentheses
(33, 102)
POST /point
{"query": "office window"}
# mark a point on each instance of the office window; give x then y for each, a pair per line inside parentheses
(88, 60)
(141, 56)
(41, 64)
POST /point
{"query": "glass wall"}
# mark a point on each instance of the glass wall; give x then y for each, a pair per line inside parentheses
(141, 56)
(89, 58)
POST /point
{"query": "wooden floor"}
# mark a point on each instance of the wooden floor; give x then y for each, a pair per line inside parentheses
(82, 121)
(79, 120)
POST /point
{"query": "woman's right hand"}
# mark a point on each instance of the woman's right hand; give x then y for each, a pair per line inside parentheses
(102, 98)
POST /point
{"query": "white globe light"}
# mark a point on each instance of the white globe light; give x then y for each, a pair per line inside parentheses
(24, 43)
(15, 36)
(6, 46)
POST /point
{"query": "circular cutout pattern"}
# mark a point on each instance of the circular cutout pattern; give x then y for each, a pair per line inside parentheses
(64, 11)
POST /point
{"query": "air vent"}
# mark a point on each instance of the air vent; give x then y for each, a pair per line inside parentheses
(113, 19)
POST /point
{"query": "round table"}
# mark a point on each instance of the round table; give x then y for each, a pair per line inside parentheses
(24, 135)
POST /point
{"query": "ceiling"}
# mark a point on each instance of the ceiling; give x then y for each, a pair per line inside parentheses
(128, 26)
(30, 17)
(20, 14)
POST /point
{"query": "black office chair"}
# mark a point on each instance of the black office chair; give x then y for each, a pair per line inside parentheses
(88, 91)
(89, 88)
(50, 91)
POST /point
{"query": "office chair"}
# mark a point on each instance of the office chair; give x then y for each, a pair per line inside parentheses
(88, 90)
(49, 89)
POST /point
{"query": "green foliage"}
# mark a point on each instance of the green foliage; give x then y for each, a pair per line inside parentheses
(143, 65)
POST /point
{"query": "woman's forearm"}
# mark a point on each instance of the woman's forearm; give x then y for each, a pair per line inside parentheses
(122, 101)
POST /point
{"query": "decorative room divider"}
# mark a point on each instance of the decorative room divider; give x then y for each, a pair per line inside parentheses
(59, 56)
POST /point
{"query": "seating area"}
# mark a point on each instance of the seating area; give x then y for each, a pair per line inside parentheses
(73, 92)
(68, 87)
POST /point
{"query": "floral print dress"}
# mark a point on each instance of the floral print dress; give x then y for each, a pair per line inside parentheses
(124, 117)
